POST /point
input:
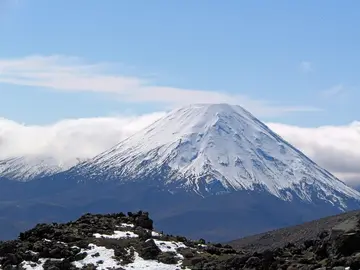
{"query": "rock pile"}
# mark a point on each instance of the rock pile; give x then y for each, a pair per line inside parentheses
(124, 242)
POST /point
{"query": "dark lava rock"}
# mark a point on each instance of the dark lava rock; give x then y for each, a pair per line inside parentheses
(60, 245)
(149, 250)
(168, 258)
(143, 220)
(348, 243)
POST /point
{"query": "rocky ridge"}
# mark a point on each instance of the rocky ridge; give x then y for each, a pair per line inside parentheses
(122, 242)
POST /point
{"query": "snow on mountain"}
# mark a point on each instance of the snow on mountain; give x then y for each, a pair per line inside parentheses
(214, 148)
(30, 167)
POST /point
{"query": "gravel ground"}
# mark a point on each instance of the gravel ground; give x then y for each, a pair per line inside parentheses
(297, 234)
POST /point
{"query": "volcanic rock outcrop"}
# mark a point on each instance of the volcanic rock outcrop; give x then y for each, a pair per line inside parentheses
(119, 241)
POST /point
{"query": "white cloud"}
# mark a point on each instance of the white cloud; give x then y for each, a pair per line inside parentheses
(71, 74)
(333, 147)
(306, 66)
(333, 91)
(71, 139)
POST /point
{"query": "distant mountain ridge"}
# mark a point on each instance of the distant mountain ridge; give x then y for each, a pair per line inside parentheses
(213, 167)
(28, 168)
(31, 167)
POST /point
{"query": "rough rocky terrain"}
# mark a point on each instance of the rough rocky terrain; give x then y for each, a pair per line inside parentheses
(119, 241)
(297, 234)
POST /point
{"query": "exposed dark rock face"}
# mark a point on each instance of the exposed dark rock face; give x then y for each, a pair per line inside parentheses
(119, 241)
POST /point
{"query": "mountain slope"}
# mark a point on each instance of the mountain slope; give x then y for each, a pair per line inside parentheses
(30, 167)
(216, 148)
(298, 234)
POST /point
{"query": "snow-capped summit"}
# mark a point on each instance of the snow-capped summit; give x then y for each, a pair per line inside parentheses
(216, 148)
(249, 179)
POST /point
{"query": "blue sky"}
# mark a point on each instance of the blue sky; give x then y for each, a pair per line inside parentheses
(293, 62)
(85, 74)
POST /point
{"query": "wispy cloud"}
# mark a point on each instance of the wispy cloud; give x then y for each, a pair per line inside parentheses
(71, 74)
(333, 91)
(306, 66)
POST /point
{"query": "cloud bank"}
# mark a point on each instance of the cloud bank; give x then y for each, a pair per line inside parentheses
(69, 140)
(70, 74)
(333, 147)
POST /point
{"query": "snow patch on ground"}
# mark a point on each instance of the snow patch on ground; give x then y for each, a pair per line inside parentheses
(101, 257)
(117, 235)
(169, 246)
(36, 266)
(127, 225)
(104, 259)
(155, 234)
(140, 264)
(107, 257)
